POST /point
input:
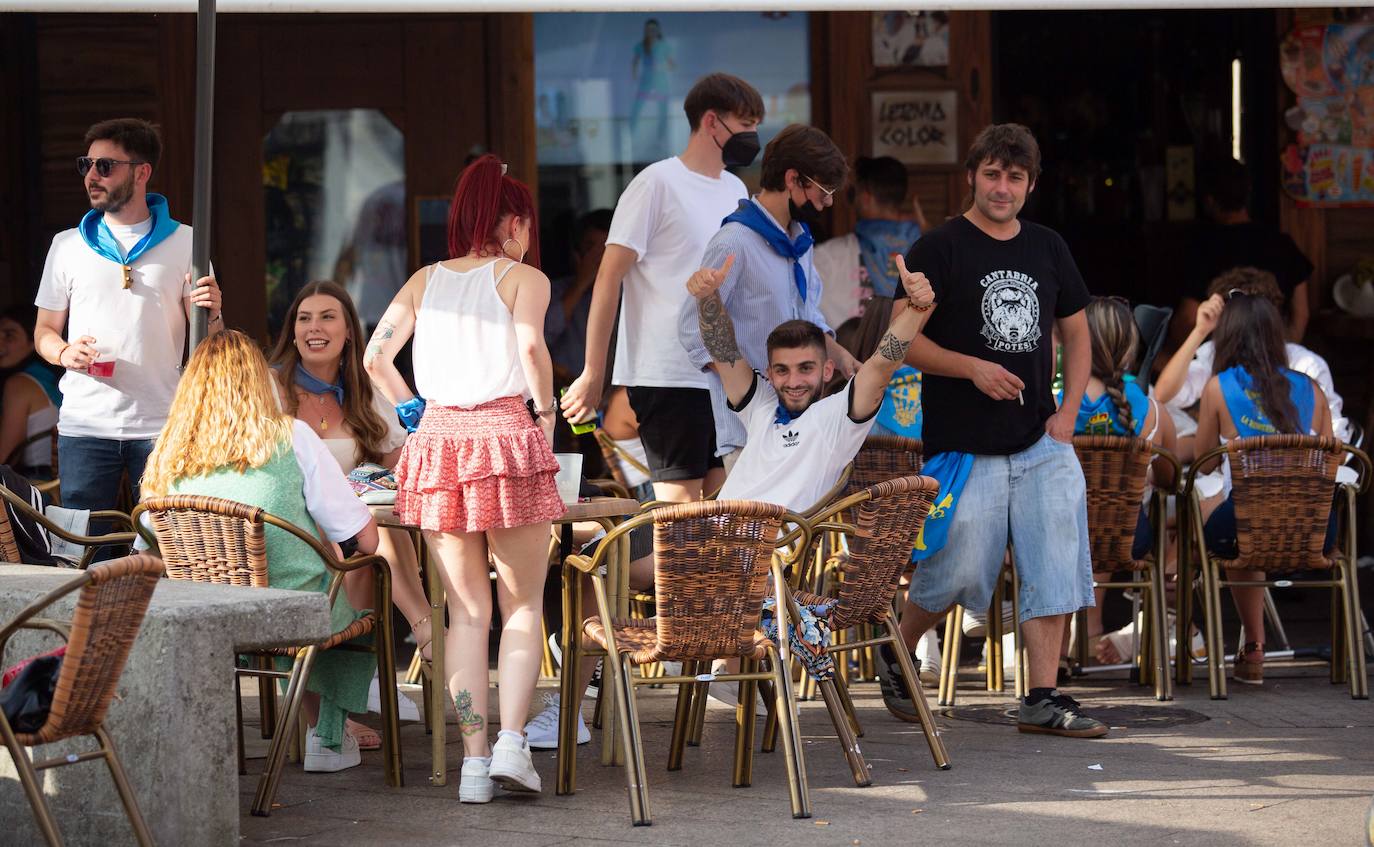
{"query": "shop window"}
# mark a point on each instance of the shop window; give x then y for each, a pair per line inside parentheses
(335, 208)
(609, 90)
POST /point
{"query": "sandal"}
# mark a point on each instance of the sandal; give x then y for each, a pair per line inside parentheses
(421, 647)
(1250, 670)
(367, 737)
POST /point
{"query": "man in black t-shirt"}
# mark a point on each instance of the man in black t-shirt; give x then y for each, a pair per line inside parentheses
(1002, 286)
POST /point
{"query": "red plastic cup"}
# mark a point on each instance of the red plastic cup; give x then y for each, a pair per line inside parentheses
(103, 368)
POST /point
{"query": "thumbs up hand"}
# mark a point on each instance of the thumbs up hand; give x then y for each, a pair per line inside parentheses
(707, 281)
(918, 289)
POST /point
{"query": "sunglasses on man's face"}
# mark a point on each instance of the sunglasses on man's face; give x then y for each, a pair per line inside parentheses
(103, 165)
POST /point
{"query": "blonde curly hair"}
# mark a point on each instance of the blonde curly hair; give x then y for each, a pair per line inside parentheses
(225, 414)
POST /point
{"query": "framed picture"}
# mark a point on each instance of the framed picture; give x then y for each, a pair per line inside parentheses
(916, 127)
(429, 229)
(910, 39)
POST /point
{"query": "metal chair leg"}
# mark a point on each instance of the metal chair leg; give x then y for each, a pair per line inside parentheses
(682, 717)
(1354, 617)
(238, 721)
(949, 670)
(786, 708)
(846, 701)
(33, 789)
(918, 697)
(628, 725)
(435, 693)
(849, 743)
(285, 731)
(770, 723)
(569, 699)
(267, 699)
(698, 722)
(1163, 679)
(126, 791)
(744, 727)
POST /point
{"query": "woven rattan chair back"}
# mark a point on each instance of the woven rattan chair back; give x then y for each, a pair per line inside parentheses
(209, 539)
(9, 548)
(711, 566)
(884, 457)
(109, 612)
(1281, 486)
(1116, 471)
(886, 526)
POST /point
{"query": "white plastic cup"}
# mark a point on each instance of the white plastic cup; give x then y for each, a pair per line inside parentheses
(569, 479)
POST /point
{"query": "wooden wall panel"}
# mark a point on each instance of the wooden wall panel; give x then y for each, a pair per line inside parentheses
(334, 62)
(510, 93)
(438, 58)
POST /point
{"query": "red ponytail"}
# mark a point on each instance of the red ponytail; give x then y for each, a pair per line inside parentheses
(483, 199)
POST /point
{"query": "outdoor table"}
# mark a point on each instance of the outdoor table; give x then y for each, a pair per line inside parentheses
(600, 510)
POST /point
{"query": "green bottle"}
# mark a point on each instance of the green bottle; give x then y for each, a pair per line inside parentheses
(585, 426)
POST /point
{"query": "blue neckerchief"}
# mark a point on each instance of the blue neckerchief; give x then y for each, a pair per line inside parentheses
(1099, 417)
(782, 415)
(315, 385)
(750, 214)
(98, 237)
(878, 241)
(951, 469)
(900, 411)
(1243, 403)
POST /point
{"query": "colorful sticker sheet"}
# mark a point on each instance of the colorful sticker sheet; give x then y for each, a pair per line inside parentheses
(1331, 70)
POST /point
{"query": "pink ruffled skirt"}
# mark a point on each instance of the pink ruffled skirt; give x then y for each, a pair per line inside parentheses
(471, 470)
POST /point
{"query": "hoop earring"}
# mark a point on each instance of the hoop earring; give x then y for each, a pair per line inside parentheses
(517, 244)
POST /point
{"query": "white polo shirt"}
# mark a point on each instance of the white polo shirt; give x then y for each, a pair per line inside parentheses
(793, 464)
(142, 327)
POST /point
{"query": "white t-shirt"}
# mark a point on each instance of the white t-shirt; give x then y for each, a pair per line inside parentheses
(838, 263)
(143, 328)
(1300, 359)
(336, 510)
(666, 215)
(796, 463)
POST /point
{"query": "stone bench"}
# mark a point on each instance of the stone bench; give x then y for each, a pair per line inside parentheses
(173, 720)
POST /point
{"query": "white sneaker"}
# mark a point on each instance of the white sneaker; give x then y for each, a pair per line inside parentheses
(542, 731)
(474, 783)
(975, 624)
(928, 654)
(320, 759)
(511, 766)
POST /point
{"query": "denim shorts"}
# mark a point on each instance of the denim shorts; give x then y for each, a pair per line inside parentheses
(1034, 500)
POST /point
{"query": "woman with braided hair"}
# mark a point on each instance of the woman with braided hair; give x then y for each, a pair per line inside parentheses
(1115, 404)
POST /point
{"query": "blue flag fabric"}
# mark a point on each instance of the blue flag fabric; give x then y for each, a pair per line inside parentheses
(99, 238)
(749, 214)
(951, 469)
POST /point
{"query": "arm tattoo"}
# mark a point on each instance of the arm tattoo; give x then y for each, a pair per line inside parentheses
(469, 721)
(717, 330)
(384, 331)
(893, 348)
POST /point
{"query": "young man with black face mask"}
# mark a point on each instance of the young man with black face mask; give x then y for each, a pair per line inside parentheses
(661, 225)
(773, 278)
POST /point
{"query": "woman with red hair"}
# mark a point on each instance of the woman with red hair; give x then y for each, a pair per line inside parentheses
(477, 473)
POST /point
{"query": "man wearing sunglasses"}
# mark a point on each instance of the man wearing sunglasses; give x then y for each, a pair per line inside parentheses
(113, 307)
(773, 278)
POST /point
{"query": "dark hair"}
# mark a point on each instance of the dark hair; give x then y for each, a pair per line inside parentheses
(1227, 182)
(723, 94)
(1250, 334)
(1252, 281)
(24, 314)
(138, 138)
(362, 419)
(598, 220)
(790, 335)
(884, 177)
(483, 199)
(806, 150)
(1113, 339)
(1005, 145)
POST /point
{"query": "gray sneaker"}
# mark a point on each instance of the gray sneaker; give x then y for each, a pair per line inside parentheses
(895, 696)
(1059, 714)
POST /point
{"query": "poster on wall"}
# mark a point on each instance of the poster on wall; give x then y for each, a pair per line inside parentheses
(910, 39)
(1331, 70)
(916, 127)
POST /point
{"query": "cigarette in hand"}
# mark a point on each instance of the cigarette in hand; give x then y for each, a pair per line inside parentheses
(1020, 400)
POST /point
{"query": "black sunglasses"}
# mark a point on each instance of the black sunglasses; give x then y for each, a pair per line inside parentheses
(102, 166)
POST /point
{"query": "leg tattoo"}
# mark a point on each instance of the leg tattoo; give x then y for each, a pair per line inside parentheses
(469, 721)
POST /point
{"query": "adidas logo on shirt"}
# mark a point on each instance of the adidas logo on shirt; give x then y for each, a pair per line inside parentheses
(789, 438)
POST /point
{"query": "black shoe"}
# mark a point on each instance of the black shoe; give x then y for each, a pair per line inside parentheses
(895, 696)
(1059, 714)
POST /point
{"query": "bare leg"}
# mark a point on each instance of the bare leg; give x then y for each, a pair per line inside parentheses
(521, 558)
(641, 577)
(406, 591)
(1043, 637)
(464, 569)
(1250, 605)
(916, 621)
(678, 490)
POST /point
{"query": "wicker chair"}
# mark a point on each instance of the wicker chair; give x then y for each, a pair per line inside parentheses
(109, 612)
(208, 539)
(1116, 472)
(9, 548)
(712, 563)
(886, 519)
(1282, 489)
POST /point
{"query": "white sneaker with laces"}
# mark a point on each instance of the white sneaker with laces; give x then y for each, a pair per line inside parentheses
(474, 783)
(542, 731)
(928, 653)
(511, 765)
(320, 759)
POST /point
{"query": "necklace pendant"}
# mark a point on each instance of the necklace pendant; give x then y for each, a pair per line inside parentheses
(324, 424)
(128, 277)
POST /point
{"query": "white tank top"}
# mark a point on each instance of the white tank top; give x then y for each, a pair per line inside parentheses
(465, 352)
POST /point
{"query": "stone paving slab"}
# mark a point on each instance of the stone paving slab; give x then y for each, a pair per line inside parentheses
(1291, 762)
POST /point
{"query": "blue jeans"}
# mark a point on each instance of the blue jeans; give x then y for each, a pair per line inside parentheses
(91, 469)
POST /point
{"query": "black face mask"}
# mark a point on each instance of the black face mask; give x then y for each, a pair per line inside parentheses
(740, 149)
(806, 212)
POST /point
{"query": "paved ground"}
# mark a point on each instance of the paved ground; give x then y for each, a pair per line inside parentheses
(1289, 763)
